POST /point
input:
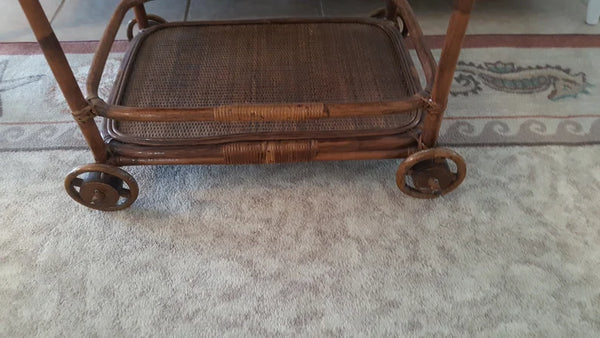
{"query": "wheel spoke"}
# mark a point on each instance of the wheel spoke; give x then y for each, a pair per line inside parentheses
(439, 160)
(77, 182)
(125, 193)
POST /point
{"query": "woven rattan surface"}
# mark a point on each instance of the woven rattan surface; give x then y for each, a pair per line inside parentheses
(207, 65)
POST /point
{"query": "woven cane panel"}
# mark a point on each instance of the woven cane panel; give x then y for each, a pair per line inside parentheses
(268, 152)
(207, 66)
(187, 130)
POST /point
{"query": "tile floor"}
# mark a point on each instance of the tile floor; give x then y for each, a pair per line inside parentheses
(85, 19)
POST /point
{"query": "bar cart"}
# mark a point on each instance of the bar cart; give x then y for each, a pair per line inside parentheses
(261, 91)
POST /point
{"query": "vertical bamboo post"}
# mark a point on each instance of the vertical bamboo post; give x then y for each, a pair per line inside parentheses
(391, 9)
(445, 74)
(141, 16)
(61, 69)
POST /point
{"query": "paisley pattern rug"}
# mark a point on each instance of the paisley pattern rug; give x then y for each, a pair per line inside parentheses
(508, 90)
(514, 79)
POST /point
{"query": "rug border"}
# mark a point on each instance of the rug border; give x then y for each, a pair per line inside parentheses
(435, 41)
(68, 128)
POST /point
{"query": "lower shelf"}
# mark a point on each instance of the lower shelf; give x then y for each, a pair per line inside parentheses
(265, 152)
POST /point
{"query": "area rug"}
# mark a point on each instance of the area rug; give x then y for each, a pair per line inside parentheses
(508, 90)
(320, 249)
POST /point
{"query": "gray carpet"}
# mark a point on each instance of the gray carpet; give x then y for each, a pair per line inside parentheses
(322, 249)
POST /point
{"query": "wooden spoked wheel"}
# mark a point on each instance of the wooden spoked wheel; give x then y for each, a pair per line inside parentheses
(153, 20)
(431, 173)
(102, 187)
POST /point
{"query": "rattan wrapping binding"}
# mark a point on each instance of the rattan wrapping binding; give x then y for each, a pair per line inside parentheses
(198, 65)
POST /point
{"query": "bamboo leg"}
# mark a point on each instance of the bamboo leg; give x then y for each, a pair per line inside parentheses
(61, 69)
(391, 9)
(445, 73)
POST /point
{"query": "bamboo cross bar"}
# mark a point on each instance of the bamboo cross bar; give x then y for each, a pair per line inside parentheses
(240, 113)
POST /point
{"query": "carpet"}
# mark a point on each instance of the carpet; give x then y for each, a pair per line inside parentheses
(321, 249)
(508, 90)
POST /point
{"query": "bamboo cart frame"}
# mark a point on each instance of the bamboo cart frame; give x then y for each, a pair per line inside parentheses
(103, 187)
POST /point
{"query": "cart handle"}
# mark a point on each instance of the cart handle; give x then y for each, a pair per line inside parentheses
(402, 9)
(256, 113)
(106, 43)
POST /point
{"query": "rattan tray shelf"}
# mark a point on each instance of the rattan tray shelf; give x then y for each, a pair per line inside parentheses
(262, 91)
(233, 66)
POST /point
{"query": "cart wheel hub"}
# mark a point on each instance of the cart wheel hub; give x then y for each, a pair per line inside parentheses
(99, 194)
(427, 174)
